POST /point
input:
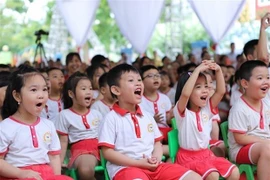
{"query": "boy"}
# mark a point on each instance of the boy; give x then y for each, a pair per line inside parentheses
(130, 139)
(156, 103)
(104, 105)
(249, 119)
(4, 81)
(54, 104)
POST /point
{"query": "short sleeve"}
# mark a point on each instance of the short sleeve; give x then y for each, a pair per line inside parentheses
(237, 121)
(107, 132)
(4, 141)
(55, 147)
(61, 124)
(177, 114)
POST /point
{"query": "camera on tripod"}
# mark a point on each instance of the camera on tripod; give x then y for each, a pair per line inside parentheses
(39, 33)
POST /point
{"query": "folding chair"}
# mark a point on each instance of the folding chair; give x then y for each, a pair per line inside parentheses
(248, 169)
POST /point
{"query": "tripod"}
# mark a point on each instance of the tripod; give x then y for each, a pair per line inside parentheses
(40, 50)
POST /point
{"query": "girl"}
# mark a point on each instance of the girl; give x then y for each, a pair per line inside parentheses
(193, 112)
(79, 126)
(28, 144)
(94, 72)
(166, 86)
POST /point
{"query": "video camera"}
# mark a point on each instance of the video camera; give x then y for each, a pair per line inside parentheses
(41, 32)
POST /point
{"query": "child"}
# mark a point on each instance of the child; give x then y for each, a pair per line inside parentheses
(94, 73)
(79, 126)
(27, 141)
(4, 80)
(156, 103)
(73, 63)
(129, 137)
(166, 86)
(104, 105)
(249, 119)
(54, 104)
(193, 112)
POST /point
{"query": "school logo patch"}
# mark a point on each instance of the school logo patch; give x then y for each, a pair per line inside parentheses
(163, 106)
(267, 113)
(47, 137)
(150, 127)
(95, 122)
(205, 118)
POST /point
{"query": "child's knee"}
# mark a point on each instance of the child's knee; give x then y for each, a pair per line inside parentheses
(86, 171)
(265, 151)
(235, 175)
(212, 176)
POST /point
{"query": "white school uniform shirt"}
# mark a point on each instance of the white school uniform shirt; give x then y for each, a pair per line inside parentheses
(235, 97)
(24, 145)
(171, 95)
(194, 127)
(52, 109)
(78, 127)
(161, 105)
(131, 134)
(244, 119)
(95, 94)
(102, 107)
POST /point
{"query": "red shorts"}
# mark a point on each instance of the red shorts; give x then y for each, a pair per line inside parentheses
(46, 172)
(214, 143)
(87, 146)
(243, 156)
(164, 131)
(163, 171)
(204, 162)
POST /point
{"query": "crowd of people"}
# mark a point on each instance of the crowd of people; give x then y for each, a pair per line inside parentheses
(126, 111)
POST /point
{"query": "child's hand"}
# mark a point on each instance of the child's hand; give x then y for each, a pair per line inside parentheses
(153, 160)
(25, 174)
(158, 117)
(214, 66)
(205, 65)
(265, 22)
(145, 164)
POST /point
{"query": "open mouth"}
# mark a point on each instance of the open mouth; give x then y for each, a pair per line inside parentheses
(156, 83)
(203, 98)
(138, 91)
(264, 88)
(87, 98)
(39, 104)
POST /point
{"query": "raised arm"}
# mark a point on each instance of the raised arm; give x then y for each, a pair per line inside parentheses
(220, 89)
(262, 52)
(188, 87)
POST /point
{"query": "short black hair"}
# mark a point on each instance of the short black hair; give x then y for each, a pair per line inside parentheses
(4, 66)
(245, 70)
(70, 56)
(116, 72)
(52, 69)
(102, 82)
(250, 47)
(4, 78)
(98, 59)
(147, 68)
